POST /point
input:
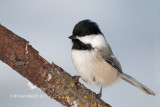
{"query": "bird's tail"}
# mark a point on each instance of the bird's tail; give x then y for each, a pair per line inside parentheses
(137, 84)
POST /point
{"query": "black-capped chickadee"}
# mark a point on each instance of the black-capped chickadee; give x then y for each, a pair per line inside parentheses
(94, 60)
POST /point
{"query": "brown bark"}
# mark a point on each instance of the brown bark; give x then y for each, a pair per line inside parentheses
(52, 79)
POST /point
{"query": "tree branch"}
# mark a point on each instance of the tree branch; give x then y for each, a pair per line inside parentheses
(53, 80)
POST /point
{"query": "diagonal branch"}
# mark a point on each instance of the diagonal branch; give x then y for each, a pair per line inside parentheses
(52, 79)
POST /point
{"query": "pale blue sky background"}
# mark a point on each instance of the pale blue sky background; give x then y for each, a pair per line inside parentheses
(132, 28)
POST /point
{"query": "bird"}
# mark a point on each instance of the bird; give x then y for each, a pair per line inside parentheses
(94, 60)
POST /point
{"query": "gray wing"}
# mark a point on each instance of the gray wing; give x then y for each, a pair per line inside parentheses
(110, 58)
(114, 62)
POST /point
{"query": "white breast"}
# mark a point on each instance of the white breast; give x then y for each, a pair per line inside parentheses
(93, 69)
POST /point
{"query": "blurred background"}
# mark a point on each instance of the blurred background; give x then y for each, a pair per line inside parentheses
(131, 27)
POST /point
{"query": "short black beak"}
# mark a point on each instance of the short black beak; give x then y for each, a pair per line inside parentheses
(72, 37)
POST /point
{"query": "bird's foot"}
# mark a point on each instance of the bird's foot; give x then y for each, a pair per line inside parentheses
(99, 94)
(76, 77)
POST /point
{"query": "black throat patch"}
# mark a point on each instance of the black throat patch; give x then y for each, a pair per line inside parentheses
(78, 45)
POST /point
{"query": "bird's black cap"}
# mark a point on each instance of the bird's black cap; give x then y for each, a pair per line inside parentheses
(85, 27)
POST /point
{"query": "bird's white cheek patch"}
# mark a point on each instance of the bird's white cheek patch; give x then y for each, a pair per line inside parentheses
(86, 39)
(94, 40)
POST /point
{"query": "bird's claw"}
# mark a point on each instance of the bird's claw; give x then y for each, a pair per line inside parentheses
(99, 95)
(76, 79)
